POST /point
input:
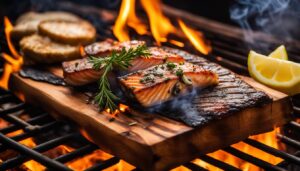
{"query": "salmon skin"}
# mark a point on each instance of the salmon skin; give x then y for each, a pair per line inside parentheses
(80, 72)
(162, 83)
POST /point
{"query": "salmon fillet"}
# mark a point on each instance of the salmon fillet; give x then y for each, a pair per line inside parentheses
(80, 72)
(162, 83)
(105, 47)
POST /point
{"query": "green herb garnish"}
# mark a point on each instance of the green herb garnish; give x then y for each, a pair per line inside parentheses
(179, 72)
(105, 97)
(171, 65)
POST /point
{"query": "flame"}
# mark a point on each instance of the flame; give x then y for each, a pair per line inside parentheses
(82, 52)
(266, 138)
(196, 38)
(127, 17)
(14, 62)
(177, 43)
(160, 25)
(29, 142)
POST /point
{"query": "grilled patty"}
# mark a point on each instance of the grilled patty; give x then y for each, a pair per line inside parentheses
(43, 50)
(70, 32)
(162, 83)
(27, 24)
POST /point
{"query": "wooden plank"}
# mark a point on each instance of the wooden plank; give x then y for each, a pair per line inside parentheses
(155, 142)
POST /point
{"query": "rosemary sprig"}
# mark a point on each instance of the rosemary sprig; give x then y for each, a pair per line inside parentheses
(105, 97)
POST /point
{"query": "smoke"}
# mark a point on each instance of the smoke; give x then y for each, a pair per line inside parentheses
(280, 18)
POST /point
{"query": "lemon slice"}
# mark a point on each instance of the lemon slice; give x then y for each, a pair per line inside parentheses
(279, 53)
(279, 74)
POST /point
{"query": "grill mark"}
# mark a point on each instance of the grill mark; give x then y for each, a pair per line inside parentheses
(231, 95)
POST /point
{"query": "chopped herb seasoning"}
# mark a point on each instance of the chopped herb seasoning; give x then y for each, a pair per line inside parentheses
(147, 79)
(179, 72)
(171, 65)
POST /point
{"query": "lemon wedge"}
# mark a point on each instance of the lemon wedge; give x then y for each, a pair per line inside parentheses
(279, 74)
(279, 53)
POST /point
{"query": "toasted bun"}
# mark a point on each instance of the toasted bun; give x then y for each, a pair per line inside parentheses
(70, 32)
(43, 50)
(27, 24)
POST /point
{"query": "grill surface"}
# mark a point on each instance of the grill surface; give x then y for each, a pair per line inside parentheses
(39, 123)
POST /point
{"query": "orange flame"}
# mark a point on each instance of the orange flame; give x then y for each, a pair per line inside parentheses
(196, 38)
(128, 17)
(266, 138)
(82, 52)
(160, 25)
(13, 64)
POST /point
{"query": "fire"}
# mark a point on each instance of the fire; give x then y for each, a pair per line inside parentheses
(159, 24)
(196, 38)
(266, 138)
(127, 17)
(14, 62)
(82, 52)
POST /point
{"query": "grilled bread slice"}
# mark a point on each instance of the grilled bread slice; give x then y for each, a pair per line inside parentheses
(43, 50)
(70, 32)
(81, 72)
(27, 24)
(162, 83)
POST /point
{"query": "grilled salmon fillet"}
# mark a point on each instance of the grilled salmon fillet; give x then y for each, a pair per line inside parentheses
(80, 72)
(105, 47)
(163, 82)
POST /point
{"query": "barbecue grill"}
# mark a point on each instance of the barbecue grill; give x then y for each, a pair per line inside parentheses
(229, 50)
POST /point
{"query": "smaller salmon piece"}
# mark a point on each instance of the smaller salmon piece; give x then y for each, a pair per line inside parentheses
(80, 72)
(105, 48)
(162, 83)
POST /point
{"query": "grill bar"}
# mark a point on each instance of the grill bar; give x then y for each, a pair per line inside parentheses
(33, 154)
(253, 160)
(218, 163)
(273, 151)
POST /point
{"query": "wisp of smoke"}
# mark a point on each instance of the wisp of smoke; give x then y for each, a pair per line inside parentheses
(280, 18)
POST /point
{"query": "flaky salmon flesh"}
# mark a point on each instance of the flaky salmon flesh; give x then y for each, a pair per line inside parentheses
(162, 83)
(80, 72)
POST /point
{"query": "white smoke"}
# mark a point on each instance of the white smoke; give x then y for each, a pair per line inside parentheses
(280, 18)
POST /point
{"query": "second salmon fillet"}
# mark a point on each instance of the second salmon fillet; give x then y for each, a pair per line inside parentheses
(162, 83)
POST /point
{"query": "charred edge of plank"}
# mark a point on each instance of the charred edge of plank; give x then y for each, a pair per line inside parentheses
(43, 76)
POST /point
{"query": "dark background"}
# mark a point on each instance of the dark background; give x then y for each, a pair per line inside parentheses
(214, 9)
(284, 25)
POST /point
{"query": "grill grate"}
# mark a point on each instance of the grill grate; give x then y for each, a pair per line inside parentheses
(33, 127)
(233, 52)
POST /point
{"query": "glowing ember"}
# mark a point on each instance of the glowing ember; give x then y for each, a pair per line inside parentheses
(177, 43)
(82, 52)
(196, 38)
(159, 24)
(128, 17)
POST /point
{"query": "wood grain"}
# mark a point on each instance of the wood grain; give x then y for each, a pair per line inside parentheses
(154, 142)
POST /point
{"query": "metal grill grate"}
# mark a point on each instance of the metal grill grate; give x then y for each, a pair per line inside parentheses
(41, 123)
